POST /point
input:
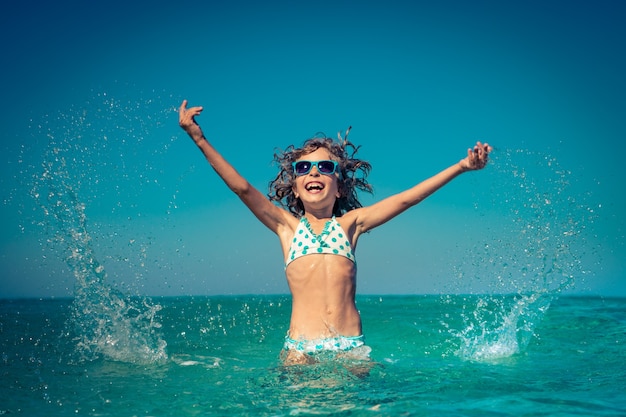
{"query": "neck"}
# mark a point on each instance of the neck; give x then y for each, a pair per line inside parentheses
(318, 214)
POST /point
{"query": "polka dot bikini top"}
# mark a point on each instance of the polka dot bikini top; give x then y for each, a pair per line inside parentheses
(333, 240)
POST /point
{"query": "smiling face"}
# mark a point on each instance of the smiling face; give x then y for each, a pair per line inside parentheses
(317, 191)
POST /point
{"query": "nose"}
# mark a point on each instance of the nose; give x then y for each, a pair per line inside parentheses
(314, 171)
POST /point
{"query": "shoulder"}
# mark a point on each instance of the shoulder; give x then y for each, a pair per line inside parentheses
(359, 220)
(349, 220)
(288, 224)
(352, 224)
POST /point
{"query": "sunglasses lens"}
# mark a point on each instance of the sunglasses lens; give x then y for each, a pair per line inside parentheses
(326, 167)
(302, 167)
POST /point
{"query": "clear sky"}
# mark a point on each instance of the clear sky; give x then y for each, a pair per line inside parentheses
(97, 84)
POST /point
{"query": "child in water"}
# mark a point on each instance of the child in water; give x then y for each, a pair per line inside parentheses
(319, 225)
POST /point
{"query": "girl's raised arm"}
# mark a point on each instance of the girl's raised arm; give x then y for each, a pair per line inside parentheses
(269, 214)
(388, 208)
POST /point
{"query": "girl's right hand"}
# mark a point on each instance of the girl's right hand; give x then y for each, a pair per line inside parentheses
(186, 120)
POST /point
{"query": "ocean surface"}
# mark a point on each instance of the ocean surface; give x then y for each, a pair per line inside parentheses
(107, 355)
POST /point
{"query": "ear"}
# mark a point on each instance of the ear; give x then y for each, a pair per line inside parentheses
(338, 193)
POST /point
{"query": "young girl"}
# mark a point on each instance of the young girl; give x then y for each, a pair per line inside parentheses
(319, 229)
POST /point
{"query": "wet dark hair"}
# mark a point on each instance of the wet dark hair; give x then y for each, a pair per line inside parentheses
(352, 173)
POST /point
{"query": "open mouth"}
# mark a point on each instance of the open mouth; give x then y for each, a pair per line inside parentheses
(314, 186)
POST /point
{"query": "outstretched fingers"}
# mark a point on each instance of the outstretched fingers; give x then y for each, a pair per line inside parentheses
(186, 115)
(482, 153)
(182, 110)
(478, 156)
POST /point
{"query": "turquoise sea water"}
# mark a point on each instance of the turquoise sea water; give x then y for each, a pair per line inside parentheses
(451, 355)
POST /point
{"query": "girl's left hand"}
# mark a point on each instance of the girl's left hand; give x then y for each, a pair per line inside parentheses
(477, 157)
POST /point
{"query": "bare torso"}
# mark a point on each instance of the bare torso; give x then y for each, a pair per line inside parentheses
(323, 288)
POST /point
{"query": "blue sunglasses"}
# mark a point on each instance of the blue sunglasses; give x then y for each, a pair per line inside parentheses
(325, 167)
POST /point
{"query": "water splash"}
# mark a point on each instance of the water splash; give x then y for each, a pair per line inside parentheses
(536, 244)
(104, 322)
(494, 329)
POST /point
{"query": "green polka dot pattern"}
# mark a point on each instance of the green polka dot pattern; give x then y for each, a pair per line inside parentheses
(333, 240)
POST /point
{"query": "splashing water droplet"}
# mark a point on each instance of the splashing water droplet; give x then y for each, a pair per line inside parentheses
(104, 322)
(534, 250)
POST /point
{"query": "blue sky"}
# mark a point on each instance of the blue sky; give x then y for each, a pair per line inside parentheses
(418, 81)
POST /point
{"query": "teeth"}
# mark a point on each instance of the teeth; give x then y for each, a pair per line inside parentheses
(314, 186)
